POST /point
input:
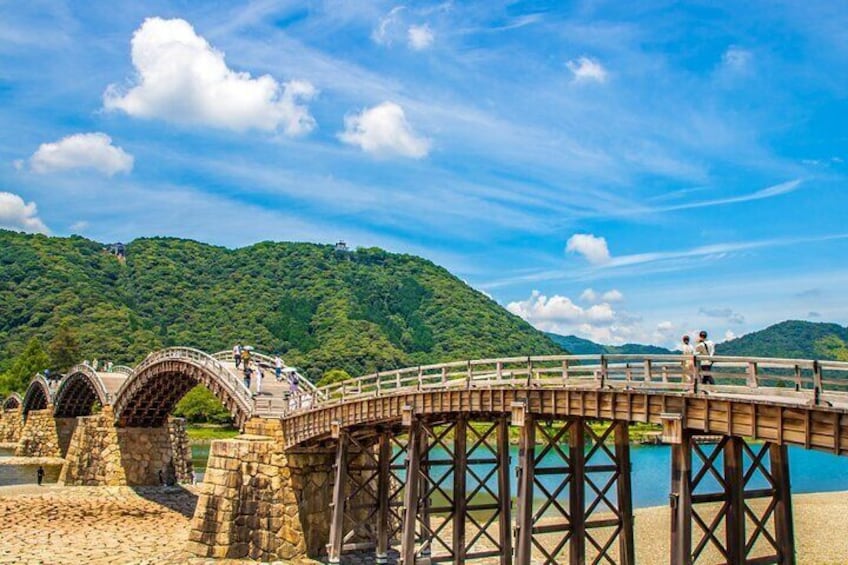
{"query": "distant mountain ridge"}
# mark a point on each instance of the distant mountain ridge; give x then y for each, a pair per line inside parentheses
(794, 339)
(579, 346)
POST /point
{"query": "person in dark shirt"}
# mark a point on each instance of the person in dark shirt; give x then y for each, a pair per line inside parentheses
(40, 475)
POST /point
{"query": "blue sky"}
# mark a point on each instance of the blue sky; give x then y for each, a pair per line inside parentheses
(622, 171)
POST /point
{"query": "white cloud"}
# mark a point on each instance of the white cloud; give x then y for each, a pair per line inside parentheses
(386, 29)
(82, 151)
(19, 164)
(384, 130)
(726, 314)
(728, 335)
(589, 295)
(736, 58)
(558, 314)
(420, 37)
(181, 78)
(594, 249)
(17, 215)
(79, 226)
(612, 296)
(587, 70)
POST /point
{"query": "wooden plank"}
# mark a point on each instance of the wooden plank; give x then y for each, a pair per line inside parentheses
(783, 524)
(734, 521)
(504, 494)
(334, 548)
(577, 492)
(626, 545)
(460, 440)
(524, 506)
(681, 502)
(410, 495)
(384, 489)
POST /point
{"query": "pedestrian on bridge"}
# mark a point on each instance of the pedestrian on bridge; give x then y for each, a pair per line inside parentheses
(259, 376)
(278, 367)
(237, 354)
(705, 348)
(247, 372)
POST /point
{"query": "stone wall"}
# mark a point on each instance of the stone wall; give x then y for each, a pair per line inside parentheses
(102, 454)
(65, 431)
(259, 501)
(11, 425)
(39, 437)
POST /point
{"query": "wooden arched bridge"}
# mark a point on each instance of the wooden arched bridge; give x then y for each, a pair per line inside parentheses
(415, 464)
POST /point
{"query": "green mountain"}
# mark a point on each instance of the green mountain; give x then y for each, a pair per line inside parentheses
(579, 346)
(794, 339)
(359, 311)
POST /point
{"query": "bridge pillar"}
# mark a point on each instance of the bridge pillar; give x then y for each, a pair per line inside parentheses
(39, 436)
(586, 529)
(11, 425)
(721, 511)
(100, 453)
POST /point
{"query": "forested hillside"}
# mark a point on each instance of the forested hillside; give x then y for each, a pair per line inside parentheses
(793, 339)
(359, 311)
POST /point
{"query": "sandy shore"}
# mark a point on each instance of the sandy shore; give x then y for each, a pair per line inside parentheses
(95, 525)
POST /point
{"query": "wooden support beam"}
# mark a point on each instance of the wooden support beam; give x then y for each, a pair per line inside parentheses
(334, 548)
(384, 490)
(577, 492)
(504, 494)
(460, 470)
(410, 494)
(783, 523)
(734, 521)
(524, 508)
(627, 553)
(681, 501)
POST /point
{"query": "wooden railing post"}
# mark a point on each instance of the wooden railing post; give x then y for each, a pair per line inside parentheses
(604, 366)
(564, 371)
(468, 375)
(648, 370)
(817, 382)
(529, 372)
(752, 374)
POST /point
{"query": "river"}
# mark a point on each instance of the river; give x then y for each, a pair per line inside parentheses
(810, 471)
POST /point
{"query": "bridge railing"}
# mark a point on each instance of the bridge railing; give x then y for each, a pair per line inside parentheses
(122, 369)
(807, 379)
(233, 382)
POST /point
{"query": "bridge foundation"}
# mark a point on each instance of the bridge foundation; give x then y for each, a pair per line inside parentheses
(99, 453)
(730, 502)
(39, 435)
(11, 425)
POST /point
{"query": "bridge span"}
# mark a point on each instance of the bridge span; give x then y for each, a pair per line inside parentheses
(413, 465)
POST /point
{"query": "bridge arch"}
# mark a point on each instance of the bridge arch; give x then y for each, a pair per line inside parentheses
(38, 395)
(12, 402)
(150, 394)
(78, 392)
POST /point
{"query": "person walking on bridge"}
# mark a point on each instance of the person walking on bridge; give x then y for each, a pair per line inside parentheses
(259, 376)
(705, 348)
(278, 367)
(688, 352)
(39, 475)
(237, 354)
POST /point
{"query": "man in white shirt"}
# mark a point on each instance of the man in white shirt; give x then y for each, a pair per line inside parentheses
(278, 368)
(705, 348)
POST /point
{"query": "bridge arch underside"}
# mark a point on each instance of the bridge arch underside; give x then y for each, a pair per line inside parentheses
(151, 395)
(37, 396)
(77, 396)
(13, 402)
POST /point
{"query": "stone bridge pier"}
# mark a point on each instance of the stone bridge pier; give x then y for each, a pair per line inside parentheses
(39, 435)
(11, 424)
(101, 453)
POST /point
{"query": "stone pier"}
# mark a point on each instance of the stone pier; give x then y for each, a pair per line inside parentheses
(258, 501)
(102, 454)
(39, 436)
(11, 425)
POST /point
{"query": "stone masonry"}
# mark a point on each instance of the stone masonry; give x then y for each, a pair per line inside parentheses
(39, 437)
(11, 425)
(257, 502)
(102, 454)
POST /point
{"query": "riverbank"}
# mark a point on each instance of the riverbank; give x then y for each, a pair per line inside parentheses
(98, 525)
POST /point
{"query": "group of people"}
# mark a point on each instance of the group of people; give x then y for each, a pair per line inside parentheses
(704, 347)
(97, 365)
(252, 369)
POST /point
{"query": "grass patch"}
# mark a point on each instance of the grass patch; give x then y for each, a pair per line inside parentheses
(208, 432)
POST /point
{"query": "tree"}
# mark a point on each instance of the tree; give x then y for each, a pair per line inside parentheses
(200, 405)
(64, 349)
(333, 376)
(33, 359)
